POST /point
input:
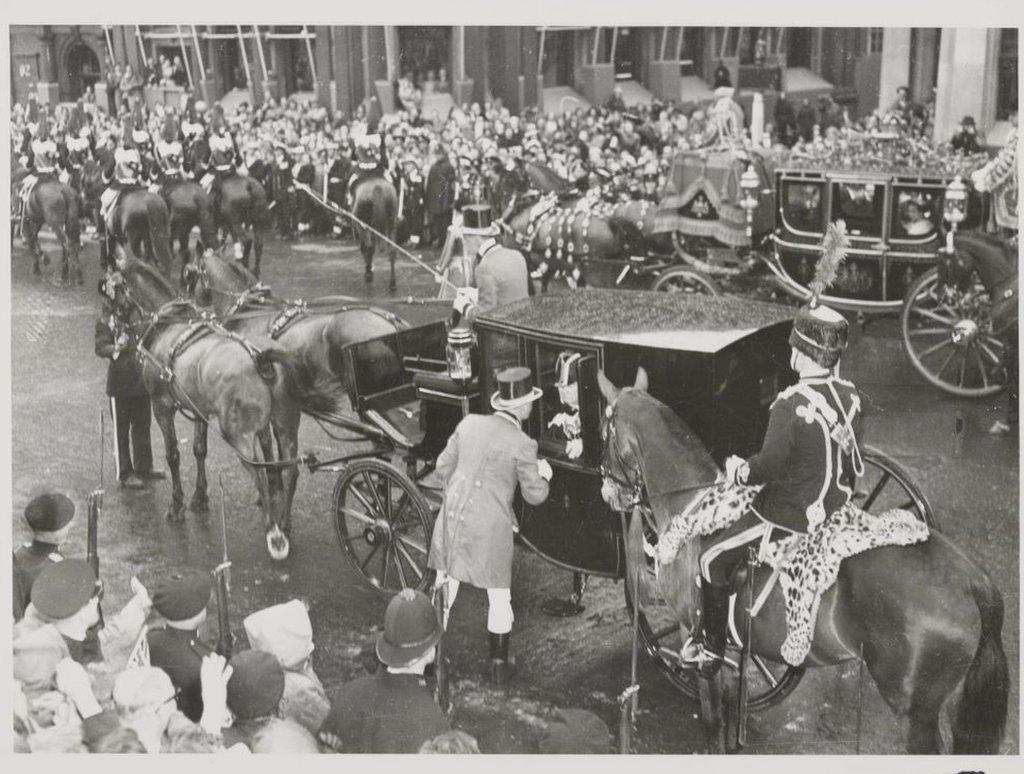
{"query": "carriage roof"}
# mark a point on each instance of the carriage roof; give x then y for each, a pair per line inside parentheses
(682, 322)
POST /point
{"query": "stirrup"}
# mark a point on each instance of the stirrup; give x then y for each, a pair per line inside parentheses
(694, 655)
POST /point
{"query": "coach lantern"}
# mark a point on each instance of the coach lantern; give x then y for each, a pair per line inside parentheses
(459, 353)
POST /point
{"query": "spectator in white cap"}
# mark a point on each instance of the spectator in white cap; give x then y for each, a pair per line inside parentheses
(285, 632)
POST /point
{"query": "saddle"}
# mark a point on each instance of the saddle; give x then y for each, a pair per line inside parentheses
(805, 566)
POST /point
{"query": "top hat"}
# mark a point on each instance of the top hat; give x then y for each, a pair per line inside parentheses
(476, 218)
(515, 388)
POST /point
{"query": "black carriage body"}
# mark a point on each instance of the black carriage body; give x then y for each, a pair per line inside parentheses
(894, 221)
(717, 361)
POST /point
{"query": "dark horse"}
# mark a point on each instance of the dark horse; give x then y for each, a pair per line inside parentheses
(141, 220)
(53, 204)
(189, 207)
(199, 368)
(927, 619)
(375, 204)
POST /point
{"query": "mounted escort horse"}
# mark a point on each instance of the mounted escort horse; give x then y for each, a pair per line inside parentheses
(132, 215)
(374, 203)
(239, 202)
(192, 364)
(46, 201)
(189, 205)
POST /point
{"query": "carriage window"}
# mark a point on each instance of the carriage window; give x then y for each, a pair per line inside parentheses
(567, 377)
(803, 206)
(860, 205)
(916, 213)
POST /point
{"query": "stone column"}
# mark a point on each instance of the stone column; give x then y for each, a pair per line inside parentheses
(965, 81)
(895, 64)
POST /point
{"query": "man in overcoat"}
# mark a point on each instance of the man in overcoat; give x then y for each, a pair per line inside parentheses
(486, 458)
(501, 277)
(440, 196)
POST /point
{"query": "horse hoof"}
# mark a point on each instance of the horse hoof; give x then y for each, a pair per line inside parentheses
(46, 260)
(277, 545)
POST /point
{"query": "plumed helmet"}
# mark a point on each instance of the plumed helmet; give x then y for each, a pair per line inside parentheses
(820, 332)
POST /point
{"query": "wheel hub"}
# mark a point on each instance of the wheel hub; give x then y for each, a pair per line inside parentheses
(964, 332)
(378, 532)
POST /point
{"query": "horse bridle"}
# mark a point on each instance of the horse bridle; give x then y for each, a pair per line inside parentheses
(633, 484)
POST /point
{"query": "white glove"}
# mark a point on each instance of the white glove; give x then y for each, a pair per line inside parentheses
(736, 470)
(464, 298)
(574, 448)
(544, 469)
(214, 673)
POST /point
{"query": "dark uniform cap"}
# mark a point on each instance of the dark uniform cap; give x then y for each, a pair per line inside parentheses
(256, 685)
(183, 595)
(63, 588)
(411, 628)
(49, 512)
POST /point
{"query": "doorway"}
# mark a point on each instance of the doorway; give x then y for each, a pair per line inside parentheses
(557, 62)
(83, 69)
(424, 51)
(626, 54)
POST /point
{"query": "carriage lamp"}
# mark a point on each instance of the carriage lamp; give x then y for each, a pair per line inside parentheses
(954, 208)
(458, 353)
(750, 182)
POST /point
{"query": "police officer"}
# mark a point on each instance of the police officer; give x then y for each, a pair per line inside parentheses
(49, 516)
(484, 460)
(181, 600)
(807, 465)
(129, 401)
(391, 711)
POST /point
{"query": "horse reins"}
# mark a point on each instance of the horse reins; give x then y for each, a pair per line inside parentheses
(197, 327)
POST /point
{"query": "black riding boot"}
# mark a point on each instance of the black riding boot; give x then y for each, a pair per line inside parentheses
(714, 625)
(500, 666)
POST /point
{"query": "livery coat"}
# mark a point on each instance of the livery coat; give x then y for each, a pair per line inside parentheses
(501, 277)
(486, 457)
(807, 473)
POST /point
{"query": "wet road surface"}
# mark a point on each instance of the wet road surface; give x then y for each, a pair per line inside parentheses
(970, 477)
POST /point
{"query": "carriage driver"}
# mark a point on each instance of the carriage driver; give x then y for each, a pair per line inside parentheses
(484, 460)
(808, 465)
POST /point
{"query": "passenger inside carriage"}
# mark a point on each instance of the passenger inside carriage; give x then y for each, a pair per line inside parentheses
(560, 407)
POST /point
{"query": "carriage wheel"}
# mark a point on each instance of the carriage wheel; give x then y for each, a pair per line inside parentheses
(682, 280)
(947, 333)
(886, 485)
(660, 635)
(383, 525)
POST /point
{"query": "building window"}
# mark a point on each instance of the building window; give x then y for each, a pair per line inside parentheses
(1006, 89)
(875, 37)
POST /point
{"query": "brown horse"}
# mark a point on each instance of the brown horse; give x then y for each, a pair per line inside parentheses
(242, 211)
(141, 220)
(375, 203)
(317, 339)
(53, 204)
(927, 619)
(197, 367)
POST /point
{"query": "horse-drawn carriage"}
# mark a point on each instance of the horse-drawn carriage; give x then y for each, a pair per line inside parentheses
(729, 211)
(718, 362)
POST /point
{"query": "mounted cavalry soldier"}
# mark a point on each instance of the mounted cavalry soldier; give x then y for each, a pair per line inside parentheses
(224, 155)
(125, 172)
(483, 462)
(807, 465)
(41, 154)
(371, 161)
(169, 151)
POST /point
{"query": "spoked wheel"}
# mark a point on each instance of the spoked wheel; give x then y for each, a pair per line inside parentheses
(886, 485)
(383, 525)
(948, 335)
(769, 683)
(683, 280)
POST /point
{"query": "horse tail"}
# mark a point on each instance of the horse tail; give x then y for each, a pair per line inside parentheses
(207, 223)
(159, 220)
(981, 715)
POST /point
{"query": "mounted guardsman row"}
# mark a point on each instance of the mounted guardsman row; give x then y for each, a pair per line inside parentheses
(807, 466)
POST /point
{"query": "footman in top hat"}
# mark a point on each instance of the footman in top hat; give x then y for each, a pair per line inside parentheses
(501, 274)
(485, 459)
(808, 462)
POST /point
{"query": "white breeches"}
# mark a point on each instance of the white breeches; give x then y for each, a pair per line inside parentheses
(499, 605)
